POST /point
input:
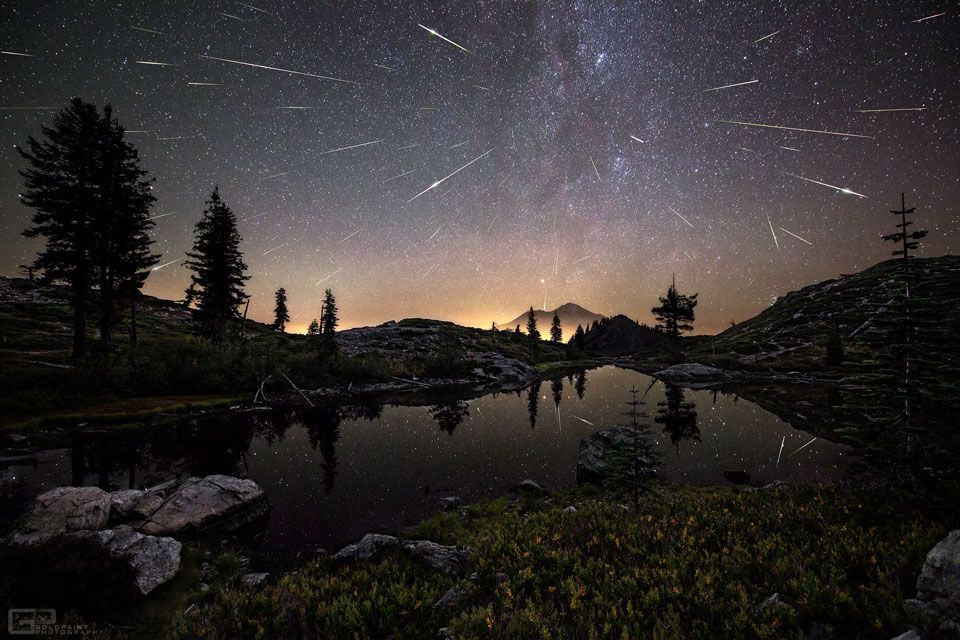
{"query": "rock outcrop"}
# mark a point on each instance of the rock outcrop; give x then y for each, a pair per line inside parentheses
(64, 510)
(198, 503)
(938, 587)
(154, 559)
(596, 451)
(694, 374)
(447, 559)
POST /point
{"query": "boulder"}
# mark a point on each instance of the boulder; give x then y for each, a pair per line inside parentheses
(938, 587)
(450, 598)
(64, 510)
(124, 503)
(909, 635)
(197, 503)
(528, 486)
(155, 560)
(368, 545)
(695, 374)
(441, 557)
(251, 581)
(570, 509)
(449, 503)
(596, 451)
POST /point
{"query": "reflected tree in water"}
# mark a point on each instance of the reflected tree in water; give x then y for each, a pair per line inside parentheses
(581, 384)
(449, 415)
(533, 402)
(556, 388)
(678, 417)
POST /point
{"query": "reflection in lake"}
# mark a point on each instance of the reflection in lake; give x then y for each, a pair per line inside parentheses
(335, 473)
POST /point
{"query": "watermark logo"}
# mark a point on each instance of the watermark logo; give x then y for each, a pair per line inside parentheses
(30, 622)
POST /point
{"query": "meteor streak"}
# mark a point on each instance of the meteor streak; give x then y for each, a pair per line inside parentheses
(888, 110)
(329, 276)
(636, 138)
(434, 33)
(782, 442)
(435, 233)
(353, 146)
(730, 86)
(205, 84)
(147, 30)
(824, 184)
(409, 146)
(263, 66)
(788, 148)
(274, 249)
(796, 236)
(296, 107)
(459, 144)
(15, 53)
(28, 109)
(582, 420)
(441, 180)
(677, 213)
(595, 168)
(936, 15)
(803, 447)
(427, 272)
(350, 236)
(399, 175)
(250, 6)
(775, 241)
(769, 35)
(776, 126)
(156, 64)
(230, 15)
(582, 259)
(383, 66)
(177, 138)
(166, 264)
(162, 215)
(253, 217)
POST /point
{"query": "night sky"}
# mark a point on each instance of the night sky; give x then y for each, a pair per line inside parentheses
(601, 164)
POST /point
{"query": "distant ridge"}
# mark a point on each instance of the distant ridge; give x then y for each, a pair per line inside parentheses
(619, 336)
(571, 315)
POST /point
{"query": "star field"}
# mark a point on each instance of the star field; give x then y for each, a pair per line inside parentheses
(602, 140)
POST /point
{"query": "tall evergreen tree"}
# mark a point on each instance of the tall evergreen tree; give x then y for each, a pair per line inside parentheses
(532, 332)
(328, 325)
(219, 272)
(556, 330)
(92, 206)
(124, 245)
(579, 337)
(675, 313)
(281, 316)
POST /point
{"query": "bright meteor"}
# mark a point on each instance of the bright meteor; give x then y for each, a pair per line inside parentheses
(824, 184)
(353, 146)
(796, 236)
(677, 213)
(730, 86)
(776, 126)
(888, 110)
(775, 241)
(769, 35)
(166, 264)
(263, 66)
(441, 180)
(434, 33)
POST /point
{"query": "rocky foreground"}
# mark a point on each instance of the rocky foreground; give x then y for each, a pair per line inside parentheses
(141, 526)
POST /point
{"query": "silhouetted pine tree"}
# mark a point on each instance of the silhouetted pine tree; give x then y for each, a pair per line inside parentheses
(517, 330)
(579, 337)
(675, 312)
(313, 335)
(908, 241)
(633, 467)
(219, 273)
(281, 316)
(532, 332)
(556, 330)
(92, 205)
(328, 325)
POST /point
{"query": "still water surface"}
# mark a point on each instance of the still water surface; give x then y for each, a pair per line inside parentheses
(335, 473)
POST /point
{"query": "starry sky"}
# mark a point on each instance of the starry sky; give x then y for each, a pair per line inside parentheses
(465, 160)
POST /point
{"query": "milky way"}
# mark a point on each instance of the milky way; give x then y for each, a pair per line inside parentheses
(621, 131)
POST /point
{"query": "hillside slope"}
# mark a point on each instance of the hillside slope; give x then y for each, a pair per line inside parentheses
(619, 335)
(864, 307)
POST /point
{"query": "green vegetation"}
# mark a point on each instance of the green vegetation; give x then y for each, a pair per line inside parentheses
(691, 563)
